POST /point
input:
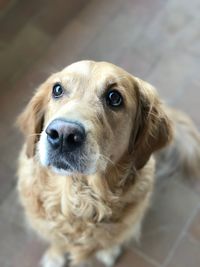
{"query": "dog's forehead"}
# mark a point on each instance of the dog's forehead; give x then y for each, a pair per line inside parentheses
(97, 72)
(81, 68)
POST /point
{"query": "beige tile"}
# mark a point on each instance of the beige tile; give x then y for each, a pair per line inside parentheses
(171, 25)
(81, 32)
(172, 206)
(18, 248)
(4, 4)
(7, 181)
(16, 16)
(137, 60)
(12, 210)
(121, 32)
(10, 149)
(24, 50)
(174, 72)
(188, 101)
(194, 229)
(129, 258)
(14, 98)
(58, 14)
(3, 131)
(186, 255)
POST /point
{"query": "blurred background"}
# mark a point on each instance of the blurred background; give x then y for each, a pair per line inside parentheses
(157, 40)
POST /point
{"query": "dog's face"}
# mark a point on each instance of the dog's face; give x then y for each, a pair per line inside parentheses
(89, 115)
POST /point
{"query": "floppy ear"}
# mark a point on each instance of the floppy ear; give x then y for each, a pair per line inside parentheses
(152, 128)
(30, 121)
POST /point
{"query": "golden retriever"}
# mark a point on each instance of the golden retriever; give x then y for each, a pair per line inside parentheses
(86, 170)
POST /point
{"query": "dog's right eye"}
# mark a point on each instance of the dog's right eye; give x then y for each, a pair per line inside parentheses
(57, 90)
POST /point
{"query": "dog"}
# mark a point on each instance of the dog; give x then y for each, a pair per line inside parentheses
(93, 133)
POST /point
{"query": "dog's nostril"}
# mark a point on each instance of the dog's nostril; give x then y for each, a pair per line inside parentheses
(53, 137)
(74, 138)
(53, 134)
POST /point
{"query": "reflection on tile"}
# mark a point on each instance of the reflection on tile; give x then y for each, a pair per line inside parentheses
(129, 258)
(168, 214)
(186, 255)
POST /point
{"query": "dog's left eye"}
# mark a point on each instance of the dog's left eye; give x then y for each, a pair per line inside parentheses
(114, 98)
(57, 90)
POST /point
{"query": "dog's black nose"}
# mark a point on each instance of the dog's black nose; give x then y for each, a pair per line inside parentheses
(65, 135)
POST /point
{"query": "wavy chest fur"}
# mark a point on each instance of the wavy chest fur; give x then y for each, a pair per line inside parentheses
(81, 213)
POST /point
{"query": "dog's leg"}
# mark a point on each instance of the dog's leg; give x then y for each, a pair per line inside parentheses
(109, 256)
(54, 257)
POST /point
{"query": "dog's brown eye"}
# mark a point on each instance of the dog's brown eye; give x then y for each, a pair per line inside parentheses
(57, 90)
(114, 98)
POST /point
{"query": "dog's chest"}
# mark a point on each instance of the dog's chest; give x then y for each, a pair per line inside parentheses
(72, 213)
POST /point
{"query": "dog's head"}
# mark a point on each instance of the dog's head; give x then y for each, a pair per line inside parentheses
(90, 115)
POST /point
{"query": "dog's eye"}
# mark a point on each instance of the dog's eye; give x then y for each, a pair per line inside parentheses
(57, 90)
(114, 98)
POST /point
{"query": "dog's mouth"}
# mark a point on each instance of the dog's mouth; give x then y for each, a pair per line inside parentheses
(61, 165)
(82, 161)
(68, 163)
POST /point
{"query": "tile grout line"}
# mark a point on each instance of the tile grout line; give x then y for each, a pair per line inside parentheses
(146, 257)
(183, 232)
(192, 239)
(141, 34)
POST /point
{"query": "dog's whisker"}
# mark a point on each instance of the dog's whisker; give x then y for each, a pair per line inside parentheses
(116, 167)
(106, 158)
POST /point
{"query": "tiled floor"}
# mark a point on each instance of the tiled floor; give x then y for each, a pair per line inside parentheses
(157, 40)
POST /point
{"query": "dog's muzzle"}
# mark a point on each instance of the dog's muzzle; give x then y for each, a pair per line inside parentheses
(66, 145)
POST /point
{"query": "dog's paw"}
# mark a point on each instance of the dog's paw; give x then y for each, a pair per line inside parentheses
(52, 261)
(110, 256)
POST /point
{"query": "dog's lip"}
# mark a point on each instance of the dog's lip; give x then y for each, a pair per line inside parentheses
(61, 165)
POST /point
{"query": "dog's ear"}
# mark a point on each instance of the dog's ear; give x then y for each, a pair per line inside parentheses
(30, 121)
(152, 127)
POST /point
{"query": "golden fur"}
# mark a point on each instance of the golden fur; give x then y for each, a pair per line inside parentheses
(83, 214)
